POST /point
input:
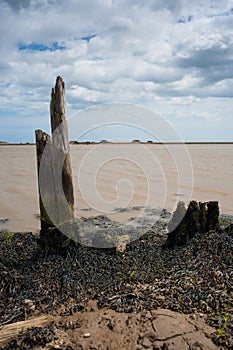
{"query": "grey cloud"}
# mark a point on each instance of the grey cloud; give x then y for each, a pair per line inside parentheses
(158, 74)
(171, 5)
(216, 75)
(16, 5)
(205, 58)
(156, 5)
(212, 65)
(120, 24)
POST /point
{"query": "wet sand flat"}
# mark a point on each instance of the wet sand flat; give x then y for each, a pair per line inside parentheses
(108, 177)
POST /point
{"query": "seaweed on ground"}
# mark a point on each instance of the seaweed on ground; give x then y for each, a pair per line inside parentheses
(194, 278)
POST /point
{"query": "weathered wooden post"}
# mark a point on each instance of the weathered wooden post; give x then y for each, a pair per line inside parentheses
(184, 225)
(56, 196)
(43, 140)
(176, 227)
(60, 136)
(212, 215)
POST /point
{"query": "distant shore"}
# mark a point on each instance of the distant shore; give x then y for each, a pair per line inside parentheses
(130, 142)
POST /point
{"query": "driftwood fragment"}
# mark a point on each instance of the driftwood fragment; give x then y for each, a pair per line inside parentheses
(184, 225)
(56, 195)
(12, 330)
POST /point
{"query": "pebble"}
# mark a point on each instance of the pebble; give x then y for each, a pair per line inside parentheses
(86, 335)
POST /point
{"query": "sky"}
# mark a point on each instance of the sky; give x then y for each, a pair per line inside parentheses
(172, 57)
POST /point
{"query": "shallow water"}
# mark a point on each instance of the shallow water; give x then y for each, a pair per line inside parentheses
(109, 177)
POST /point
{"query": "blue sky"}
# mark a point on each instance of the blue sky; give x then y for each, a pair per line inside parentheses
(173, 57)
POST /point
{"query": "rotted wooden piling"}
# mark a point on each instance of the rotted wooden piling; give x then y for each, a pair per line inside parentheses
(56, 195)
(185, 224)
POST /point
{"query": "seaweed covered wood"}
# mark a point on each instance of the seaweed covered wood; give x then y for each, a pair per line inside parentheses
(56, 195)
(185, 224)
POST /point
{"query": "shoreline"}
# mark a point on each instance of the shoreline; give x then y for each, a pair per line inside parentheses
(127, 143)
(73, 143)
(83, 215)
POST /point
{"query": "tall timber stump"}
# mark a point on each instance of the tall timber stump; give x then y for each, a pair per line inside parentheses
(56, 195)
